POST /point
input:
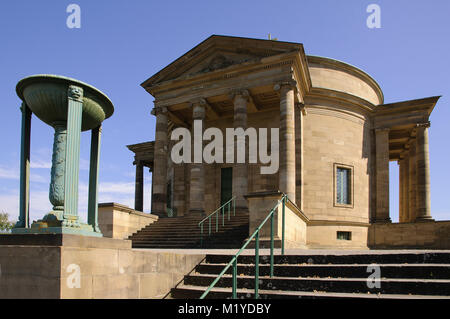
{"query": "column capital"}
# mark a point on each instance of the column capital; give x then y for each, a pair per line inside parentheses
(159, 110)
(198, 102)
(382, 129)
(301, 107)
(75, 93)
(290, 83)
(244, 93)
(424, 125)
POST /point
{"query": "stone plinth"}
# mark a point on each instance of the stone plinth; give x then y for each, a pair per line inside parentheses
(48, 265)
(260, 205)
(120, 221)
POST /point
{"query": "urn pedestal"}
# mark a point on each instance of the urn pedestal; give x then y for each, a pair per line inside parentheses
(70, 107)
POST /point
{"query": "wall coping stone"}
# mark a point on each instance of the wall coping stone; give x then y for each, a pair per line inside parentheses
(65, 240)
(127, 209)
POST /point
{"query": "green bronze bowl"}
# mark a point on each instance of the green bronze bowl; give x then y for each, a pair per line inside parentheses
(46, 96)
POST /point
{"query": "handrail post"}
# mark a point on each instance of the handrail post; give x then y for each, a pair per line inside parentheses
(223, 215)
(234, 207)
(234, 285)
(257, 265)
(229, 206)
(217, 223)
(271, 244)
(283, 224)
(201, 235)
(209, 219)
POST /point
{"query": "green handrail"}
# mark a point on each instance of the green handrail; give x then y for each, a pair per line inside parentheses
(217, 212)
(255, 235)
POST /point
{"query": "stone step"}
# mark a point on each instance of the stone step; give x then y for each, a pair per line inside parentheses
(440, 287)
(414, 271)
(388, 257)
(194, 292)
(184, 232)
(192, 227)
(184, 245)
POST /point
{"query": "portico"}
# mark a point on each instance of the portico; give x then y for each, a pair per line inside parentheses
(401, 135)
(210, 85)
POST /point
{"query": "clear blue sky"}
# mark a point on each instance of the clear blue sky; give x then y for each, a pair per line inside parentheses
(122, 43)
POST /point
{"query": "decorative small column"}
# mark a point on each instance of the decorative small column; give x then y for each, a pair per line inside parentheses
(159, 196)
(423, 173)
(240, 175)
(412, 180)
(139, 187)
(287, 139)
(24, 204)
(93, 179)
(382, 178)
(74, 113)
(57, 177)
(197, 184)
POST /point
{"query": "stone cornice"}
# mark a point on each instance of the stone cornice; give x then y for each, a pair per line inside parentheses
(257, 48)
(339, 65)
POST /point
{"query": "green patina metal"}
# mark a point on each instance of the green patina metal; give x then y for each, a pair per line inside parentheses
(93, 179)
(255, 236)
(24, 202)
(70, 107)
(219, 211)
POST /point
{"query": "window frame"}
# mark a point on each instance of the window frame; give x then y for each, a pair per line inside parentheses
(351, 181)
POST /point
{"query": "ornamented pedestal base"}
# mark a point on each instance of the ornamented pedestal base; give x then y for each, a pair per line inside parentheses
(53, 223)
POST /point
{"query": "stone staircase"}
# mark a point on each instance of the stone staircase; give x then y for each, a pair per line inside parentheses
(403, 275)
(184, 232)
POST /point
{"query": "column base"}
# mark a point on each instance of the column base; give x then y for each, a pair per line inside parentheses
(382, 221)
(424, 219)
(83, 230)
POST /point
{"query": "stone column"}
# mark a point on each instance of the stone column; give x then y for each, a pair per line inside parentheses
(382, 171)
(423, 173)
(159, 177)
(197, 185)
(93, 179)
(412, 180)
(24, 204)
(139, 187)
(286, 179)
(299, 113)
(401, 206)
(240, 172)
(406, 188)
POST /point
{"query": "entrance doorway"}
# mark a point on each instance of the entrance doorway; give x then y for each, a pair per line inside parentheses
(226, 184)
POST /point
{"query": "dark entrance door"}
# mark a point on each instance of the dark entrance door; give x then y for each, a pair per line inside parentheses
(226, 184)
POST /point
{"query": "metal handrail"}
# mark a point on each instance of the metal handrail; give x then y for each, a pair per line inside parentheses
(255, 235)
(217, 212)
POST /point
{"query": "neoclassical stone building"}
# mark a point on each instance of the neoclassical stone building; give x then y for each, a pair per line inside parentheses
(336, 139)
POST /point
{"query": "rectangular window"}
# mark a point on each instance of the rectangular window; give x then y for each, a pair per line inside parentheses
(343, 185)
(344, 235)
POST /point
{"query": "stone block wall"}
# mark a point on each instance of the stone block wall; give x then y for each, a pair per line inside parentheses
(107, 268)
(260, 205)
(421, 235)
(120, 221)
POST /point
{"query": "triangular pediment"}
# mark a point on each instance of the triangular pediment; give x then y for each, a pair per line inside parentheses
(219, 53)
